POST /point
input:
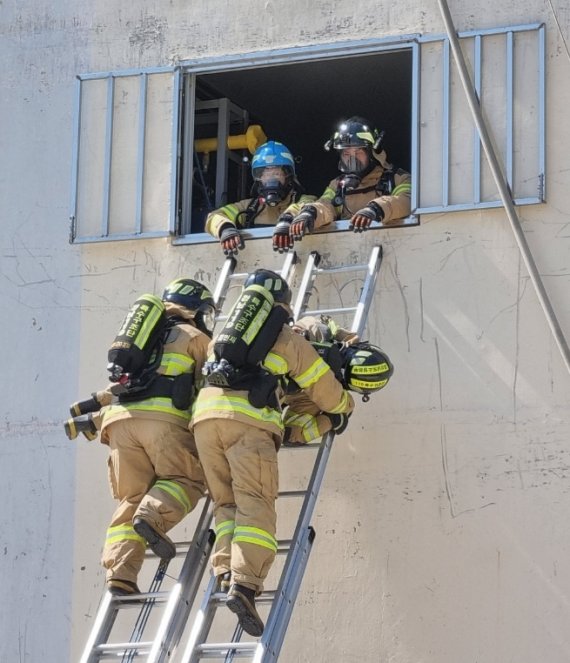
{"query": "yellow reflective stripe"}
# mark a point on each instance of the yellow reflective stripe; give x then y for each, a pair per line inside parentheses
(175, 490)
(174, 363)
(275, 364)
(257, 322)
(328, 194)
(312, 374)
(311, 430)
(239, 405)
(405, 187)
(342, 406)
(374, 368)
(258, 537)
(294, 419)
(364, 384)
(231, 211)
(224, 528)
(120, 533)
(148, 324)
(158, 404)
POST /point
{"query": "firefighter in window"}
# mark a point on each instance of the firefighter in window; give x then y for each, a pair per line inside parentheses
(156, 369)
(368, 188)
(276, 196)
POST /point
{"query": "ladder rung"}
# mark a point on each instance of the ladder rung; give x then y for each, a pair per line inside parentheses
(222, 648)
(266, 596)
(338, 270)
(124, 646)
(136, 599)
(347, 309)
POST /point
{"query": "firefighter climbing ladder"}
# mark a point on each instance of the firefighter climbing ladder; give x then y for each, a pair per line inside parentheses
(267, 649)
(177, 602)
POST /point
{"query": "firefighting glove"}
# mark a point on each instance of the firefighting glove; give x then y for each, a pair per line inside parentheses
(339, 422)
(282, 240)
(362, 219)
(303, 222)
(231, 240)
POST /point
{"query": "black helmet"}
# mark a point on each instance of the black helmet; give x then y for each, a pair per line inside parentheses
(366, 368)
(196, 298)
(356, 132)
(271, 281)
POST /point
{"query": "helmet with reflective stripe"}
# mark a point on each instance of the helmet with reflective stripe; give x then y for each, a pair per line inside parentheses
(366, 368)
(195, 297)
(272, 153)
(354, 132)
(271, 281)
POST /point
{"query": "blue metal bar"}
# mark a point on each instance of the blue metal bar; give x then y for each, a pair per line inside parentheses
(141, 152)
(542, 111)
(296, 54)
(108, 156)
(124, 72)
(175, 150)
(445, 126)
(477, 54)
(415, 161)
(509, 91)
(75, 160)
(424, 39)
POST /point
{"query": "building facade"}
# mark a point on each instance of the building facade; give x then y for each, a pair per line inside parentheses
(440, 525)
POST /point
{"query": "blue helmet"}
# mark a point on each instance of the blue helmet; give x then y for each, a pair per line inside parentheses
(272, 153)
(273, 170)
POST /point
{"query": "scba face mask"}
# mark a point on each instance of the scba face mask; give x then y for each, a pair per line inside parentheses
(273, 184)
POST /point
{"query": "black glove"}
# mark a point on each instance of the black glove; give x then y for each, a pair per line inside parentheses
(362, 219)
(231, 240)
(303, 222)
(339, 421)
(282, 240)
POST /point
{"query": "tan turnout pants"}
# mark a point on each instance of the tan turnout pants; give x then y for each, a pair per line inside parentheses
(155, 475)
(240, 463)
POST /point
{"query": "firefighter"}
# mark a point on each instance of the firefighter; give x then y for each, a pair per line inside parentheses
(368, 188)
(303, 420)
(154, 469)
(238, 441)
(276, 195)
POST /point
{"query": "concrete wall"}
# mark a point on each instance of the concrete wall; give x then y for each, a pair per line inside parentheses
(441, 527)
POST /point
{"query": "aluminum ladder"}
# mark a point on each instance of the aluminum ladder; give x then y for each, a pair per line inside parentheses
(267, 648)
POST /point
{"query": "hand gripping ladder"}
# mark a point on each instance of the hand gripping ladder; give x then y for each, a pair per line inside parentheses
(178, 601)
(268, 647)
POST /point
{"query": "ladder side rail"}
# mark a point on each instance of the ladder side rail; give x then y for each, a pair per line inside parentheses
(202, 624)
(305, 289)
(288, 270)
(146, 609)
(104, 620)
(223, 281)
(172, 626)
(270, 647)
(303, 523)
(292, 573)
(367, 293)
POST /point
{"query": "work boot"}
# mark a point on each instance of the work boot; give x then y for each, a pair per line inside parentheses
(224, 581)
(241, 601)
(160, 545)
(83, 424)
(122, 587)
